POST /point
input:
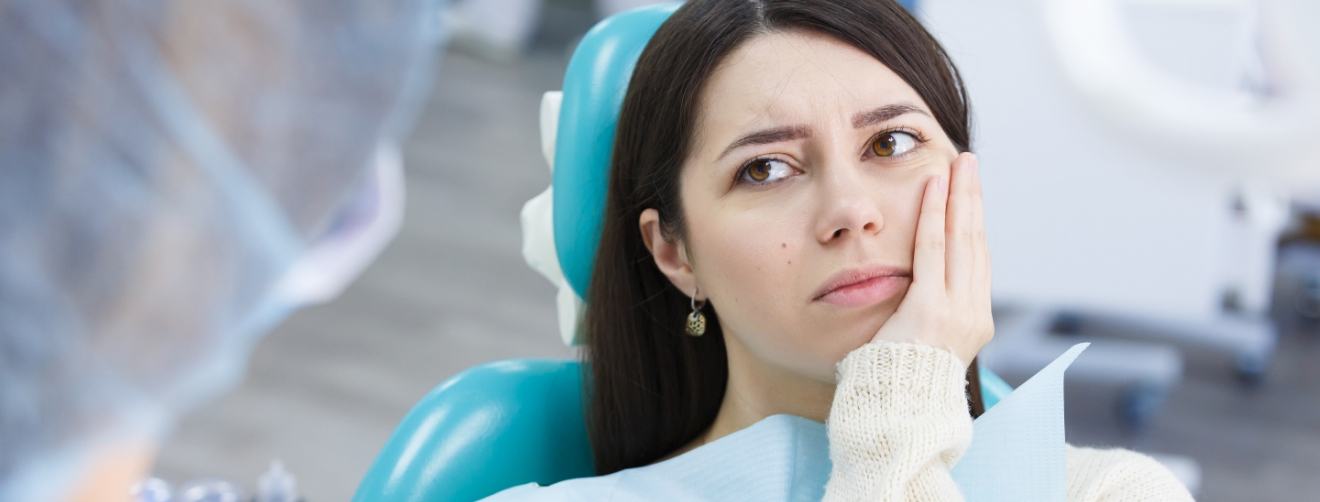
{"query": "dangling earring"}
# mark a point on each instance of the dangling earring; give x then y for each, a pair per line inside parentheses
(696, 321)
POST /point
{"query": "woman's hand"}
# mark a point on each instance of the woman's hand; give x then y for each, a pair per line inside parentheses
(948, 303)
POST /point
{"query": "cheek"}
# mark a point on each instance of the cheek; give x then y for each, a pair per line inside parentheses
(901, 200)
(744, 263)
(752, 266)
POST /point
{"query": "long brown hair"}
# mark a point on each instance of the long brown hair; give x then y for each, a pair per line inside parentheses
(652, 388)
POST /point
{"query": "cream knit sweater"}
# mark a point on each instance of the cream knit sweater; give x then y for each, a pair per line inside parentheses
(899, 423)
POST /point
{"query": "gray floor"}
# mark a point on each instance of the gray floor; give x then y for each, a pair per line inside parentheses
(324, 391)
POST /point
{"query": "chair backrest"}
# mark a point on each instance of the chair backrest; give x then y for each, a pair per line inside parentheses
(500, 425)
(507, 423)
(488, 428)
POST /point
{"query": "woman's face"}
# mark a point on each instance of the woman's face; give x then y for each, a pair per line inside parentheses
(807, 163)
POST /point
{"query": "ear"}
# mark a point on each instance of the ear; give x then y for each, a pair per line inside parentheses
(670, 255)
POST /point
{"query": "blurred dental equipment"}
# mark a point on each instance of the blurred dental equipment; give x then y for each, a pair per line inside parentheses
(1142, 159)
(277, 484)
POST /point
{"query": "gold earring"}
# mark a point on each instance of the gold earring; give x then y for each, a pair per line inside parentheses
(696, 321)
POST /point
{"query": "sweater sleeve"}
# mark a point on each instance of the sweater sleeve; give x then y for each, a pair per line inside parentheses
(898, 424)
(1120, 476)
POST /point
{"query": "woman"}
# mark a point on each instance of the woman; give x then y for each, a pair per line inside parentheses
(794, 234)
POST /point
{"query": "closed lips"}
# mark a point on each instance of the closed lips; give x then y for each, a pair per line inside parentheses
(855, 276)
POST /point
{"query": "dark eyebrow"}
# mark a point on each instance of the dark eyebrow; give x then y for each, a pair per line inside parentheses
(788, 133)
(768, 136)
(884, 113)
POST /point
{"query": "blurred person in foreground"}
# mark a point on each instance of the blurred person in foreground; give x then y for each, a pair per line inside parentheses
(175, 178)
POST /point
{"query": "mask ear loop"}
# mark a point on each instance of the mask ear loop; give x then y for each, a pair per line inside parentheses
(355, 237)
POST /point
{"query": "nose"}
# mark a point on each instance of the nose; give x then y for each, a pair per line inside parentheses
(849, 206)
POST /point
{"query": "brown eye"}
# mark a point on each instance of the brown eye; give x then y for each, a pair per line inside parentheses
(759, 170)
(893, 143)
(764, 171)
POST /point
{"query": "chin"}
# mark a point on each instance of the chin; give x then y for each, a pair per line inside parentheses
(861, 330)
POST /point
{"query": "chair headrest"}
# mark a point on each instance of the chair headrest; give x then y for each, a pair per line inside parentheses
(594, 86)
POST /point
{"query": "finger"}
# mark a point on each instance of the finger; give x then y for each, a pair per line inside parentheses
(961, 253)
(928, 248)
(981, 247)
(982, 253)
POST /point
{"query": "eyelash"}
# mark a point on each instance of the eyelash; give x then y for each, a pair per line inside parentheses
(867, 153)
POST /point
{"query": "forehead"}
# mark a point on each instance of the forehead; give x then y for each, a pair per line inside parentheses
(799, 77)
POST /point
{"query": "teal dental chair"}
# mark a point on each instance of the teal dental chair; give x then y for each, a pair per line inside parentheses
(507, 423)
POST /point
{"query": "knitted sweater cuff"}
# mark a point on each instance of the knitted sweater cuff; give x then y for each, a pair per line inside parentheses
(905, 379)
